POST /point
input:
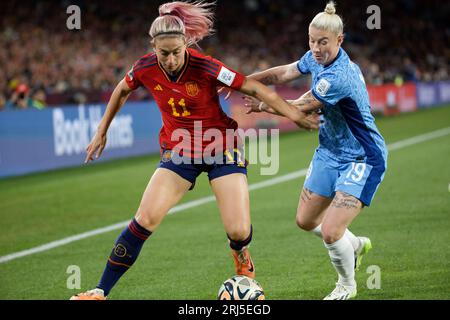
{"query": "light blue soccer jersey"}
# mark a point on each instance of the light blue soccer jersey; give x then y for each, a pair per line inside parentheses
(348, 131)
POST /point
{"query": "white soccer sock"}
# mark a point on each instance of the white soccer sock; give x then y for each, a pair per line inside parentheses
(352, 238)
(348, 234)
(317, 231)
(343, 259)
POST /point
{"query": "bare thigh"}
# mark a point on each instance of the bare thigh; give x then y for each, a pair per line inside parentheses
(164, 190)
(231, 192)
(311, 209)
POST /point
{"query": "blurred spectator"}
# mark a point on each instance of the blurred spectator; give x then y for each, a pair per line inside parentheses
(2, 101)
(20, 99)
(23, 99)
(38, 99)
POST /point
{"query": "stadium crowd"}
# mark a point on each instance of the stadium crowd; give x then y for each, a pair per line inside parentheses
(43, 63)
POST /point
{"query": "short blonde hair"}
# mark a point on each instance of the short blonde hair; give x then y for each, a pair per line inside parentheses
(328, 20)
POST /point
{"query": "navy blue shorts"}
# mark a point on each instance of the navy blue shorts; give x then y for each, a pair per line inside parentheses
(219, 166)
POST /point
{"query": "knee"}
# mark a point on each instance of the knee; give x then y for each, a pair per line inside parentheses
(148, 219)
(239, 233)
(331, 234)
(240, 238)
(305, 224)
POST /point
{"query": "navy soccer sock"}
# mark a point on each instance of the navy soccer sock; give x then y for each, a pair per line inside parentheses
(124, 254)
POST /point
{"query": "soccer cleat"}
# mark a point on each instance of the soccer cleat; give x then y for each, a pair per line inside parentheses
(341, 292)
(243, 263)
(95, 294)
(364, 246)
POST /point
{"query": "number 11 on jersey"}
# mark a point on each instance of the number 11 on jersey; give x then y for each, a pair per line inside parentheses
(182, 104)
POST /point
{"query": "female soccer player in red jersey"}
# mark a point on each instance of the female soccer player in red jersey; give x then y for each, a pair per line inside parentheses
(183, 83)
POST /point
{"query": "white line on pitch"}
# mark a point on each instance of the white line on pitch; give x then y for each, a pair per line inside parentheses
(417, 139)
(195, 203)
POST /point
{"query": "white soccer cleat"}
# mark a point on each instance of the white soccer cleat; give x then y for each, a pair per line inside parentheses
(364, 246)
(342, 292)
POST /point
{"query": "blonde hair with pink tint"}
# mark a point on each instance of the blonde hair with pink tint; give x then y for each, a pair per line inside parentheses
(193, 20)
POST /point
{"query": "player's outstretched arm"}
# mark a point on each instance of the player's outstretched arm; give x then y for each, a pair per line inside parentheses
(274, 101)
(277, 75)
(307, 102)
(117, 100)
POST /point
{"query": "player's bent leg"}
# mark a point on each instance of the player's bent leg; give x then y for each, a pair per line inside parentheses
(369, 177)
(231, 192)
(311, 210)
(338, 217)
(163, 191)
(317, 194)
(232, 197)
(361, 245)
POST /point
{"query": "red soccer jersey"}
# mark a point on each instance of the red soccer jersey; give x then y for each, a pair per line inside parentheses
(188, 101)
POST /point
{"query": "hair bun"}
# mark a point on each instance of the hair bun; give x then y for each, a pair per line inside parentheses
(330, 8)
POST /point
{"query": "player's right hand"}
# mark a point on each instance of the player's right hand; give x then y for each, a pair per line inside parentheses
(252, 103)
(97, 144)
(222, 89)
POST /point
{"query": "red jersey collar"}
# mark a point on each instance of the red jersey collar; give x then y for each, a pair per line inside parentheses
(183, 69)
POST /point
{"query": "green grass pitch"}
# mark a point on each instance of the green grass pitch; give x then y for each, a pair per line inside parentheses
(188, 256)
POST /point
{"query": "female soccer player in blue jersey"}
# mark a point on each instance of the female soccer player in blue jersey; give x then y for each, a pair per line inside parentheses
(351, 159)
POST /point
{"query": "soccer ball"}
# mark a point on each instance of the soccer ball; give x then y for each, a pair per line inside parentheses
(240, 288)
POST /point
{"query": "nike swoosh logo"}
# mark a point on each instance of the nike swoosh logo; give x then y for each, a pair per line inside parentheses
(349, 183)
(229, 287)
(242, 294)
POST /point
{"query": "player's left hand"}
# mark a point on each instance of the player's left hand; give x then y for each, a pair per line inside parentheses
(252, 103)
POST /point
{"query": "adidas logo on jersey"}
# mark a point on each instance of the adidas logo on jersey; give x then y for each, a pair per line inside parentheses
(158, 88)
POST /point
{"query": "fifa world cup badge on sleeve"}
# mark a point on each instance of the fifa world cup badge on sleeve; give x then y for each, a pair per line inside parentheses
(226, 76)
(322, 87)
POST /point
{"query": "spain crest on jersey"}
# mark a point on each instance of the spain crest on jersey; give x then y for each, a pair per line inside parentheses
(166, 156)
(192, 88)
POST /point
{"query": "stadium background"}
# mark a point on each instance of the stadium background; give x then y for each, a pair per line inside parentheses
(64, 79)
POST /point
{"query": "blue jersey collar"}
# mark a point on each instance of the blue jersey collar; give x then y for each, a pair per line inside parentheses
(335, 59)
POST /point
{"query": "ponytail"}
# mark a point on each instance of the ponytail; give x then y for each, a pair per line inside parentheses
(193, 20)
